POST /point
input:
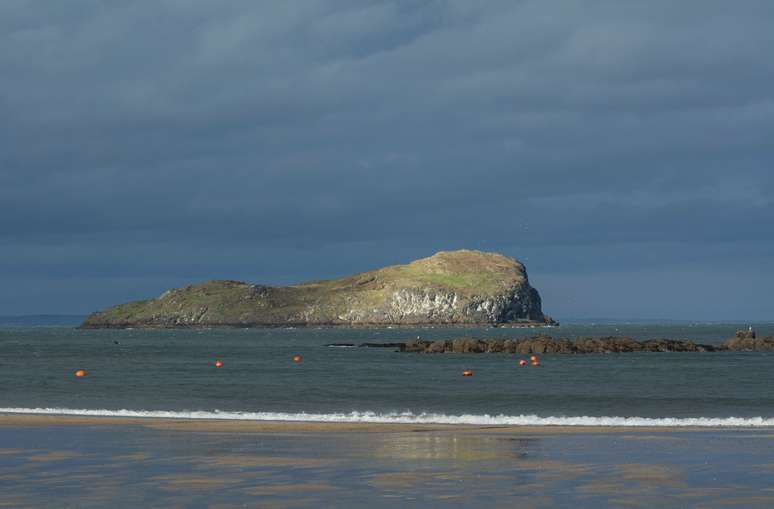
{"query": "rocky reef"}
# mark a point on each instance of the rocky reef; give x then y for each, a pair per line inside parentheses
(744, 341)
(747, 341)
(541, 344)
(449, 288)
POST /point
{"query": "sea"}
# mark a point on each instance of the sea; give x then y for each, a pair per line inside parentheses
(172, 373)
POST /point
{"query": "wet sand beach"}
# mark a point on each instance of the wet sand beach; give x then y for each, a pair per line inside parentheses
(63, 461)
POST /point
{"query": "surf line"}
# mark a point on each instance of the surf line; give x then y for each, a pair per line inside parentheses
(411, 418)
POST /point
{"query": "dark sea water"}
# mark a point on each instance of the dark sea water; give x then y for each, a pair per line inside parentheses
(138, 372)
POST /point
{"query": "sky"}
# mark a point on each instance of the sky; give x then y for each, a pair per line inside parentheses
(623, 151)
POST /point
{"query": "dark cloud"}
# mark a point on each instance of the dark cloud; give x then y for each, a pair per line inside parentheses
(150, 144)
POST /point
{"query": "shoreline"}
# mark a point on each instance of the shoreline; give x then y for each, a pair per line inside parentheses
(77, 461)
(279, 426)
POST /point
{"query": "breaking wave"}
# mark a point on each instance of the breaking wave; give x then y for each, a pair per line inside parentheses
(412, 418)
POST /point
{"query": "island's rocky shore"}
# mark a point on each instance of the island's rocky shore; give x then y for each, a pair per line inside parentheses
(540, 344)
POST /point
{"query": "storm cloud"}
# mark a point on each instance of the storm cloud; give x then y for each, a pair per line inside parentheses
(622, 150)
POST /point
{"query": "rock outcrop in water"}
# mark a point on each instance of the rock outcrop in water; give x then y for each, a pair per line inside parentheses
(546, 344)
(449, 288)
(540, 344)
(747, 341)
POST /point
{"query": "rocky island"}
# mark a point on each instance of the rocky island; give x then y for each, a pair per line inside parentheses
(449, 288)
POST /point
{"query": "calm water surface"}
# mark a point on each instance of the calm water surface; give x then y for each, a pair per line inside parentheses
(173, 371)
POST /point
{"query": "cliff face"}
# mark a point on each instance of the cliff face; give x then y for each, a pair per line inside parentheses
(458, 287)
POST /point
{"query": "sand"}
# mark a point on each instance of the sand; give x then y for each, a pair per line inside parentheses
(70, 461)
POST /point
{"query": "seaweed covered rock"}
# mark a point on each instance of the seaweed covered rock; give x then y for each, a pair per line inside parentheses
(750, 343)
(541, 344)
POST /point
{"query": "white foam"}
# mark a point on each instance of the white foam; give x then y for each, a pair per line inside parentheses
(411, 418)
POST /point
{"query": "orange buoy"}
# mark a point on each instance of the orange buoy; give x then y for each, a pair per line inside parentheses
(536, 362)
(522, 362)
(467, 372)
(218, 364)
(80, 373)
(296, 358)
(533, 358)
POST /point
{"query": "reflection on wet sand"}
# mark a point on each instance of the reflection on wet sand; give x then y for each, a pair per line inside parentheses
(53, 456)
(449, 446)
(135, 465)
(256, 461)
(290, 489)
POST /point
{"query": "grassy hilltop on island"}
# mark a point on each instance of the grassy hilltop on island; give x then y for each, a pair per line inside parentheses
(457, 287)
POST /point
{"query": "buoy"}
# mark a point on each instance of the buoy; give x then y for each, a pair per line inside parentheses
(218, 364)
(533, 358)
(536, 362)
(467, 372)
(296, 358)
(522, 362)
(80, 373)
